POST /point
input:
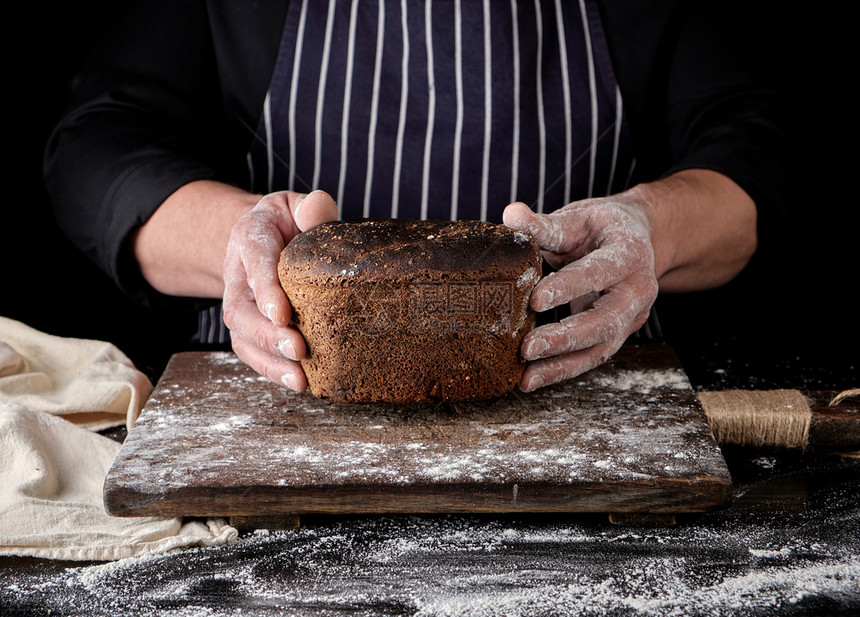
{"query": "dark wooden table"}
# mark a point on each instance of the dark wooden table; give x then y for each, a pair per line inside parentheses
(788, 544)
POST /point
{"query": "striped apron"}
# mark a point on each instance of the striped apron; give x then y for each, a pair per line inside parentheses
(449, 109)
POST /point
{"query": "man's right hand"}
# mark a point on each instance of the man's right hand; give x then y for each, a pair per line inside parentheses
(256, 310)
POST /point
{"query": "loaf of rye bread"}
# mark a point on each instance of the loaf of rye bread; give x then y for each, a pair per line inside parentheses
(405, 311)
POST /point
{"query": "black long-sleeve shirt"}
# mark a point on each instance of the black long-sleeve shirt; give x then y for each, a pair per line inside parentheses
(174, 89)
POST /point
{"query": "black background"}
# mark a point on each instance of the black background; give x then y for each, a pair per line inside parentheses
(796, 317)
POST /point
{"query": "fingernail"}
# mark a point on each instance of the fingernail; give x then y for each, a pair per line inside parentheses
(299, 204)
(544, 298)
(269, 310)
(287, 349)
(535, 347)
(535, 382)
(291, 381)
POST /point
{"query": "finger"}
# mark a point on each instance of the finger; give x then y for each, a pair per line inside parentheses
(271, 351)
(546, 229)
(314, 209)
(274, 368)
(266, 287)
(251, 263)
(561, 368)
(613, 317)
(246, 322)
(593, 273)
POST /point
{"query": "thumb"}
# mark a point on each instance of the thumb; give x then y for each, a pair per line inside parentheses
(545, 230)
(315, 208)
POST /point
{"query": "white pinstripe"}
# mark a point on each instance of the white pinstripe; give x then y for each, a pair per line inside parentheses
(321, 96)
(616, 140)
(293, 95)
(401, 121)
(374, 107)
(540, 109)
(431, 109)
(565, 84)
(347, 97)
(252, 173)
(515, 155)
(488, 111)
(593, 97)
(458, 130)
(270, 154)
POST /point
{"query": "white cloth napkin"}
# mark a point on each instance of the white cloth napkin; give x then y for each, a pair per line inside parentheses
(90, 383)
(54, 392)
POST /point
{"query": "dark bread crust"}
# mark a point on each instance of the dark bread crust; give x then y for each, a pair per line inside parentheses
(405, 311)
(401, 249)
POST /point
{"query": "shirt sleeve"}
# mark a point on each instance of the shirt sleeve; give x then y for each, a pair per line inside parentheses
(141, 124)
(725, 113)
(701, 95)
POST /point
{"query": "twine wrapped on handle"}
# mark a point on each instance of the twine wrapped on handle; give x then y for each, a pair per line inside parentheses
(779, 418)
(772, 418)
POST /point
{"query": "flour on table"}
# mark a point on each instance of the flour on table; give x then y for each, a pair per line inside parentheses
(471, 567)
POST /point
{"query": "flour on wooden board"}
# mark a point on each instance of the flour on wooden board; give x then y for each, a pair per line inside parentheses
(643, 381)
(626, 437)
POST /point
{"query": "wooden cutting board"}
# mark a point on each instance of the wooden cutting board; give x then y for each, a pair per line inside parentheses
(216, 439)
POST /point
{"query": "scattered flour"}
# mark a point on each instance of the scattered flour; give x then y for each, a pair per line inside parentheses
(224, 358)
(643, 382)
(725, 562)
(469, 567)
(232, 422)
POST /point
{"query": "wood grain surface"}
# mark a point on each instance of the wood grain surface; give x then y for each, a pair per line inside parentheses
(216, 439)
(834, 426)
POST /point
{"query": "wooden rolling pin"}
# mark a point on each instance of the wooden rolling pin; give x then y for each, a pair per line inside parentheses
(784, 418)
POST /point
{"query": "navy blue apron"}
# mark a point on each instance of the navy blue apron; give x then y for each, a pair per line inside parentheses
(442, 109)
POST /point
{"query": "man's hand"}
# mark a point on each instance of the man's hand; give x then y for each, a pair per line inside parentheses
(255, 307)
(692, 230)
(602, 251)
